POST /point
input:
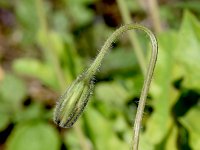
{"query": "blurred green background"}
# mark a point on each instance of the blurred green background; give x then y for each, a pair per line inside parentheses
(45, 44)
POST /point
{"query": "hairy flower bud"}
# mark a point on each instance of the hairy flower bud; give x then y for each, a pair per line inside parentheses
(73, 101)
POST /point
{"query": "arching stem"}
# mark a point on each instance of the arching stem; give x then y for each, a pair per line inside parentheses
(97, 62)
(74, 100)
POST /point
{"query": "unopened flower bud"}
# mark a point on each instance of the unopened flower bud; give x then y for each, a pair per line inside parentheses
(73, 101)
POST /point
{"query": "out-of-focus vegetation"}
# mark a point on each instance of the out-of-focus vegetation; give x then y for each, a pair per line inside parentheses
(45, 44)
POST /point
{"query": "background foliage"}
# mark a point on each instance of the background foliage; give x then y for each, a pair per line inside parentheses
(45, 44)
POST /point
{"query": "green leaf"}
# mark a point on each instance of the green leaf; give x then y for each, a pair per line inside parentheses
(4, 120)
(55, 42)
(27, 16)
(189, 5)
(32, 112)
(113, 96)
(188, 52)
(35, 68)
(12, 91)
(191, 122)
(101, 132)
(115, 62)
(33, 136)
(80, 14)
(62, 49)
(171, 143)
(114, 91)
(71, 140)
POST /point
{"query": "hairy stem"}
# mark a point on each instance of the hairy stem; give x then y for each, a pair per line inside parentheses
(97, 62)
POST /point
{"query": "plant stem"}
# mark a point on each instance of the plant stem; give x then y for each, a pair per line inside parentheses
(145, 89)
(132, 35)
(97, 62)
(56, 65)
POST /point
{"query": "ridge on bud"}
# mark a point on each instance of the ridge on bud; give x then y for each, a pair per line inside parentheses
(72, 103)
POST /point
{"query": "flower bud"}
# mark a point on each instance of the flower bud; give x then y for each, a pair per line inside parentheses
(73, 101)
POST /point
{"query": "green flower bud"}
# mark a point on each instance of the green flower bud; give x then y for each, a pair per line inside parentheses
(73, 101)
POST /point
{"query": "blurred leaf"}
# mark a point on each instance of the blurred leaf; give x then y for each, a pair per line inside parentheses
(133, 6)
(4, 120)
(115, 93)
(27, 16)
(4, 4)
(188, 52)
(32, 112)
(54, 41)
(12, 91)
(61, 23)
(113, 96)
(171, 143)
(190, 5)
(35, 68)
(115, 62)
(71, 140)
(122, 128)
(191, 122)
(145, 143)
(33, 136)
(78, 11)
(101, 132)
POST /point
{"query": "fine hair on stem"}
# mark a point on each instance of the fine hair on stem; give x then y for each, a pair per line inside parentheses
(72, 103)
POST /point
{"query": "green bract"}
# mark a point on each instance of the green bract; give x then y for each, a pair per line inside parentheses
(73, 101)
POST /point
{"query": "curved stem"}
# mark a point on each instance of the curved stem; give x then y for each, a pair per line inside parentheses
(97, 62)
